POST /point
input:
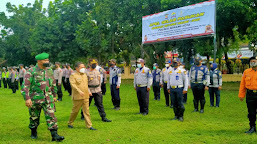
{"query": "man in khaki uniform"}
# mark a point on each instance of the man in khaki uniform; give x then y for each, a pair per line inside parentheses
(80, 95)
(58, 77)
(94, 85)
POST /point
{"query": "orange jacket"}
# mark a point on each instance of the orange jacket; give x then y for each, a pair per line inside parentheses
(249, 81)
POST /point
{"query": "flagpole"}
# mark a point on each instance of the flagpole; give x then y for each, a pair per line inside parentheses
(215, 35)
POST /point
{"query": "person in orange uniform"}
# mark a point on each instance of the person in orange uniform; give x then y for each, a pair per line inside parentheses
(248, 88)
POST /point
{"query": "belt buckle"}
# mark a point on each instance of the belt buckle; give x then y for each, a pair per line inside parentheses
(196, 82)
(255, 91)
(173, 87)
(139, 85)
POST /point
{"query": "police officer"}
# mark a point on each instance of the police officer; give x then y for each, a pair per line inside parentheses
(64, 71)
(164, 81)
(68, 73)
(9, 78)
(22, 73)
(199, 80)
(142, 83)
(156, 81)
(215, 84)
(16, 78)
(248, 87)
(177, 86)
(115, 81)
(58, 77)
(103, 81)
(0, 78)
(5, 75)
(94, 85)
(12, 80)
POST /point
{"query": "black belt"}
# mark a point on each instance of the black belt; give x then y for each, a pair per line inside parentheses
(252, 91)
(93, 86)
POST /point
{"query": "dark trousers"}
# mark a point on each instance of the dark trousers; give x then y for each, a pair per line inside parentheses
(115, 95)
(215, 91)
(251, 101)
(185, 98)
(64, 83)
(103, 88)
(16, 85)
(143, 99)
(13, 86)
(198, 92)
(21, 81)
(167, 95)
(9, 83)
(156, 90)
(68, 85)
(177, 99)
(59, 91)
(5, 83)
(98, 98)
(0, 83)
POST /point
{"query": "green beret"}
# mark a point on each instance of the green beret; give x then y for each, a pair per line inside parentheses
(42, 56)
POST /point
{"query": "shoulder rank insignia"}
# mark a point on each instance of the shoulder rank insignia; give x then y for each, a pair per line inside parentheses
(164, 70)
(170, 72)
(143, 71)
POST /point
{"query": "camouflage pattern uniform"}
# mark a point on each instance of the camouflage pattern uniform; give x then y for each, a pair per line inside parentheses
(39, 86)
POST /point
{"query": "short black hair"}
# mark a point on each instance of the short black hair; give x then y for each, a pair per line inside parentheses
(77, 64)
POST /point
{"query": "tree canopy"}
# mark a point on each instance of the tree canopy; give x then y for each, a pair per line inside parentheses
(72, 30)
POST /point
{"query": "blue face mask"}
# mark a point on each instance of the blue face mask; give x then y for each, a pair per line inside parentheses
(214, 66)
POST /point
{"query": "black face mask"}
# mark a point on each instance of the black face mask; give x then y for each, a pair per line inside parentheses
(197, 62)
(175, 64)
(93, 66)
(46, 64)
(110, 64)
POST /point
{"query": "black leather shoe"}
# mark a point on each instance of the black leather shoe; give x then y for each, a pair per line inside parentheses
(201, 111)
(175, 118)
(106, 120)
(70, 126)
(144, 114)
(171, 106)
(55, 136)
(91, 128)
(251, 130)
(196, 110)
(34, 133)
(181, 119)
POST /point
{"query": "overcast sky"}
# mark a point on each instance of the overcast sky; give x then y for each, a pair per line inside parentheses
(18, 2)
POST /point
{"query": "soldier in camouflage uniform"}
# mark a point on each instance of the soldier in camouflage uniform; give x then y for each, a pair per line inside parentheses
(39, 91)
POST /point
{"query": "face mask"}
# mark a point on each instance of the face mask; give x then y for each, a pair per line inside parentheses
(167, 65)
(46, 64)
(82, 70)
(93, 66)
(139, 65)
(175, 64)
(253, 64)
(154, 68)
(197, 62)
(110, 64)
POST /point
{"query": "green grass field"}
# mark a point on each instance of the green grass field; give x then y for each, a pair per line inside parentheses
(217, 125)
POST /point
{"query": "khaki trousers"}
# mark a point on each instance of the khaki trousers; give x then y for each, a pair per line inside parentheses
(77, 104)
